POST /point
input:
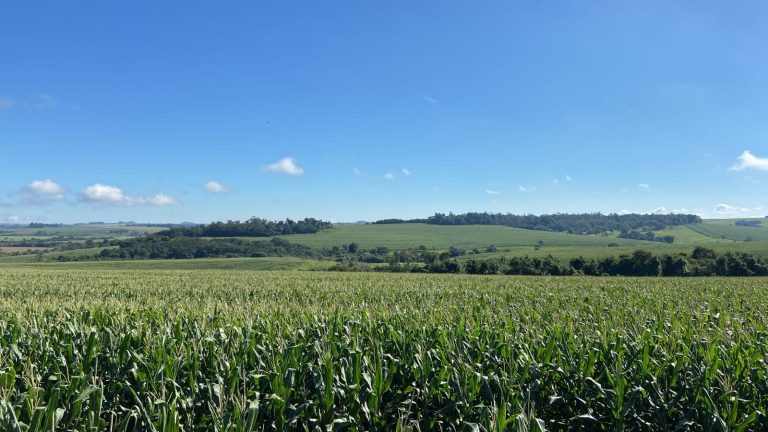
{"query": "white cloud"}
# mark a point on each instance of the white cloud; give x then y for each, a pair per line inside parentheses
(103, 193)
(730, 210)
(644, 186)
(555, 181)
(406, 171)
(160, 200)
(358, 172)
(659, 210)
(568, 178)
(388, 176)
(106, 194)
(6, 103)
(285, 165)
(749, 161)
(522, 189)
(42, 190)
(491, 192)
(215, 187)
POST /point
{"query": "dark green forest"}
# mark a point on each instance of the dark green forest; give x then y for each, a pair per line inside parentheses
(157, 247)
(701, 262)
(254, 227)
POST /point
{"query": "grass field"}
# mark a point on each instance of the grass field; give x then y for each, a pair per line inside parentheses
(266, 263)
(726, 229)
(402, 236)
(720, 235)
(565, 253)
(226, 350)
(514, 241)
(101, 230)
(16, 249)
(50, 256)
(690, 235)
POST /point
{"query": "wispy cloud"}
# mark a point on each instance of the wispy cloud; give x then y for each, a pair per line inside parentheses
(6, 103)
(215, 187)
(11, 219)
(524, 189)
(286, 165)
(389, 176)
(43, 100)
(39, 101)
(429, 99)
(555, 181)
(358, 172)
(406, 171)
(644, 186)
(492, 192)
(107, 194)
(568, 178)
(747, 160)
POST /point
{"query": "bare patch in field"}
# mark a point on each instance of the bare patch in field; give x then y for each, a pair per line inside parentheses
(13, 249)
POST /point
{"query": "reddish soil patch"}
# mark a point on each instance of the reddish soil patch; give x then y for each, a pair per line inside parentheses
(12, 249)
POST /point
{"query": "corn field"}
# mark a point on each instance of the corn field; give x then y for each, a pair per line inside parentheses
(206, 350)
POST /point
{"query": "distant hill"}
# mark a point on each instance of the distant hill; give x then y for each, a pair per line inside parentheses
(583, 223)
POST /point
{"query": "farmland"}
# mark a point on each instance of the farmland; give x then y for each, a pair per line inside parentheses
(477, 241)
(402, 236)
(518, 242)
(251, 264)
(98, 349)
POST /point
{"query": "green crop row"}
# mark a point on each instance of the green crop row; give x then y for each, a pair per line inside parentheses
(216, 350)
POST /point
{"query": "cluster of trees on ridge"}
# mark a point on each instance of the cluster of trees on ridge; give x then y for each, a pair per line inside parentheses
(585, 223)
(701, 262)
(185, 248)
(254, 227)
(647, 236)
(748, 223)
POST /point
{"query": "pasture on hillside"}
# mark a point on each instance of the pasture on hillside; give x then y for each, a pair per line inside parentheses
(719, 235)
(403, 236)
(516, 241)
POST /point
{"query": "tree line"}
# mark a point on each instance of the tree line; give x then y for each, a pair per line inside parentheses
(186, 248)
(700, 262)
(647, 236)
(584, 223)
(254, 227)
(748, 223)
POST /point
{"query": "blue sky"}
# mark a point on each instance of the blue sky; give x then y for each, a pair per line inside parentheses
(350, 110)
